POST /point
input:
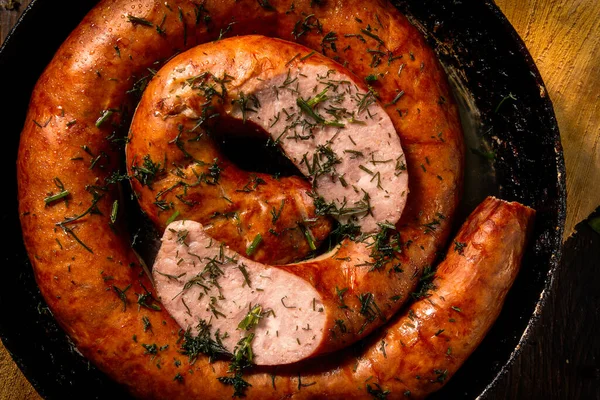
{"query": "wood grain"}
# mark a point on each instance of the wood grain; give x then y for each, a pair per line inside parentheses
(9, 14)
(563, 37)
(13, 384)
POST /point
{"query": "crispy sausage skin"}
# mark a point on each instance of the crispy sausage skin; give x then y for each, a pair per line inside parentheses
(70, 155)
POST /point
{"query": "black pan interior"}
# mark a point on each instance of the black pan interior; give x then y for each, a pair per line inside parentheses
(513, 151)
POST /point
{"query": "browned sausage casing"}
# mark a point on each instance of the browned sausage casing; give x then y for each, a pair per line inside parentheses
(78, 244)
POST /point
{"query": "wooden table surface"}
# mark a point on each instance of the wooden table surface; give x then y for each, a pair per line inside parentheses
(563, 36)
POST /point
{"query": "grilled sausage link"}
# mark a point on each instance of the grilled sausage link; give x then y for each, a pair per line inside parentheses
(70, 157)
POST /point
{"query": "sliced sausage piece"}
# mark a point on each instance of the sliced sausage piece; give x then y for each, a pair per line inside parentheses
(198, 278)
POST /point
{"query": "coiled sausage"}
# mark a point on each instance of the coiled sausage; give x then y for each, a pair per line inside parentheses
(70, 157)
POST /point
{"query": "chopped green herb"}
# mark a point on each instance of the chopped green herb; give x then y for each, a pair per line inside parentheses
(104, 116)
(173, 217)
(243, 102)
(510, 96)
(121, 293)
(251, 320)
(241, 359)
(171, 276)
(159, 28)
(308, 55)
(214, 172)
(459, 247)
(341, 325)
(277, 213)
(147, 173)
(146, 300)
(441, 375)
(300, 384)
(114, 212)
(138, 21)
(254, 245)
(306, 25)
(340, 294)
(309, 238)
(396, 98)
(238, 383)
(194, 345)
(425, 283)
(307, 108)
(368, 307)
(150, 348)
(252, 184)
(222, 32)
(146, 322)
(372, 35)
(285, 304)
(182, 20)
(244, 272)
(329, 39)
(377, 392)
(367, 170)
(60, 195)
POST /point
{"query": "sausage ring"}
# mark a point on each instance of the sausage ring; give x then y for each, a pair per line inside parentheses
(70, 166)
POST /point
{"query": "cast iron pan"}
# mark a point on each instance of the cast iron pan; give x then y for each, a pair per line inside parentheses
(513, 151)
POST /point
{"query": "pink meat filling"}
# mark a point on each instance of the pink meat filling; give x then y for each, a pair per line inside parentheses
(198, 278)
